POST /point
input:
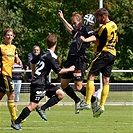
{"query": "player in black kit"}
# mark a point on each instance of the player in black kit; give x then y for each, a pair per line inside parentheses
(82, 36)
(40, 86)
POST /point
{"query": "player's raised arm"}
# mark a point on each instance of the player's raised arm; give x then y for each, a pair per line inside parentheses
(67, 25)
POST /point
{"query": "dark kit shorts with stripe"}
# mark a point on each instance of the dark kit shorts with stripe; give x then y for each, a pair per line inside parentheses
(103, 62)
(80, 67)
(6, 84)
(37, 93)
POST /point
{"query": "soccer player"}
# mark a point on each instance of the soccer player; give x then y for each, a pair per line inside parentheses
(82, 36)
(104, 59)
(8, 55)
(40, 86)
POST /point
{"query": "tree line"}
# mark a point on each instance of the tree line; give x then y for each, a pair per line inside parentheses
(32, 20)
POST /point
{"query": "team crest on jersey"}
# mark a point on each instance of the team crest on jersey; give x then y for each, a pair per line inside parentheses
(10, 56)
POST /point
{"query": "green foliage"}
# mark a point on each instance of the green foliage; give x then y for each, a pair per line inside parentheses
(33, 20)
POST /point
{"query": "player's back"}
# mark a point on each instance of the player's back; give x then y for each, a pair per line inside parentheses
(44, 64)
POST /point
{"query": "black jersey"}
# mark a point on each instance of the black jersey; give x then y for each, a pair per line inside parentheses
(44, 64)
(78, 47)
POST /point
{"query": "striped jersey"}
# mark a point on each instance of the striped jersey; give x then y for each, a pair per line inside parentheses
(106, 38)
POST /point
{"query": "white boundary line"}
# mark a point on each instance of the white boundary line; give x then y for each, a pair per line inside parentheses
(72, 103)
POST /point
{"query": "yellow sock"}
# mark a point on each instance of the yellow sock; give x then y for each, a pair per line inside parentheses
(12, 110)
(104, 94)
(89, 91)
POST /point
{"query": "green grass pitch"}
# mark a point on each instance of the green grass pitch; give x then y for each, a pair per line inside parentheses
(61, 119)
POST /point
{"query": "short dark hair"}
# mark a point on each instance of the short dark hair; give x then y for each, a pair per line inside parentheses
(101, 12)
(51, 40)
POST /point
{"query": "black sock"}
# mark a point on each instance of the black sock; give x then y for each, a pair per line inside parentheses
(25, 112)
(52, 101)
(70, 92)
(83, 91)
(93, 99)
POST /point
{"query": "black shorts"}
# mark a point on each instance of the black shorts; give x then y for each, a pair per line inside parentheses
(6, 84)
(80, 67)
(103, 62)
(37, 93)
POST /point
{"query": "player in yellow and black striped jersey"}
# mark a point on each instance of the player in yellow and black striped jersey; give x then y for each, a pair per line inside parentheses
(103, 61)
(106, 38)
(8, 55)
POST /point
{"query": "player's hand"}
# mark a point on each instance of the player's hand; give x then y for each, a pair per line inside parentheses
(60, 14)
(19, 62)
(72, 68)
(82, 38)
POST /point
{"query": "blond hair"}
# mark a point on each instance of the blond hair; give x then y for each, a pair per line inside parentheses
(8, 30)
(77, 15)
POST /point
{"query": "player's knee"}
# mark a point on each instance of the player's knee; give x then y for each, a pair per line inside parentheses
(60, 94)
(63, 86)
(78, 85)
(11, 96)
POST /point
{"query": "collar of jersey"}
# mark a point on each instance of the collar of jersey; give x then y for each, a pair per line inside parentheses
(52, 53)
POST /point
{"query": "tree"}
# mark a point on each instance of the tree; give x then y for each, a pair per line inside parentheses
(33, 20)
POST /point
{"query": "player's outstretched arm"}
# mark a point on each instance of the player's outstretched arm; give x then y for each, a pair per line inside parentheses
(89, 39)
(65, 70)
(67, 25)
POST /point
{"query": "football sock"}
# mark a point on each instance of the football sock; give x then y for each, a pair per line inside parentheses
(52, 101)
(12, 109)
(93, 99)
(70, 92)
(104, 94)
(25, 112)
(89, 91)
(83, 91)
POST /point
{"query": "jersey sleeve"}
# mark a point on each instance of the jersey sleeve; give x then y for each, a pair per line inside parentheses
(55, 66)
(89, 31)
(16, 51)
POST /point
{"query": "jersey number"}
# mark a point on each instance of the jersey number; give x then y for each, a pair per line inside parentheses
(113, 39)
(39, 67)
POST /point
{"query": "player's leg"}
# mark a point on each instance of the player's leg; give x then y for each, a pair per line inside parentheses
(100, 109)
(69, 90)
(1, 95)
(107, 61)
(54, 99)
(55, 94)
(11, 105)
(23, 115)
(79, 77)
(90, 88)
(2, 87)
(34, 100)
(10, 94)
(105, 91)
